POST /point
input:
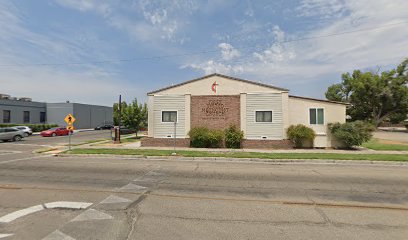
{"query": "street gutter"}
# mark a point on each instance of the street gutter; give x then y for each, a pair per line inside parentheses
(240, 160)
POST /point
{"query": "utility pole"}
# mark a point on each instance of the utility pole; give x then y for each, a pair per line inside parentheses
(120, 116)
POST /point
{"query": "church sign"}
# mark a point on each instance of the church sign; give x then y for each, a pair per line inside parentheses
(215, 109)
(215, 112)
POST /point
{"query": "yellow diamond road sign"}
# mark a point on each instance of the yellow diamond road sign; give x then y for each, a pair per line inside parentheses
(70, 127)
(69, 119)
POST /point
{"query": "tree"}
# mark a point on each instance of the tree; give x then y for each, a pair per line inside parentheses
(116, 112)
(144, 113)
(373, 96)
(134, 116)
(336, 93)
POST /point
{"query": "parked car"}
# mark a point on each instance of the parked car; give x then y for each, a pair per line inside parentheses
(27, 131)
(104, 127)
(57, 131)
(11, 134)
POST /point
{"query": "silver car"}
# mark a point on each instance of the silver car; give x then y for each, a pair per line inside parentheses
(11, 134)
(27, 131)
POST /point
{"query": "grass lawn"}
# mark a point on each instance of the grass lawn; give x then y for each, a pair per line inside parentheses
(186, 153)
(379, 144)
(88, 142)
(130, 139)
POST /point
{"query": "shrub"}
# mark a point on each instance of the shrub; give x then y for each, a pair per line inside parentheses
(215, 138)
(233, 137)
(34, 127)
(198, 137)
(352, 133)
(299, 134)
(202, 137)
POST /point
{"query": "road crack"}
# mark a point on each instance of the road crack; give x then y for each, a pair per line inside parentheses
(133, 213)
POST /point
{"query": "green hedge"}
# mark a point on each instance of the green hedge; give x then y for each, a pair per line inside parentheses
(300, 135)
(233, 137)
(202, 137)
(352, 133)
(34, 127)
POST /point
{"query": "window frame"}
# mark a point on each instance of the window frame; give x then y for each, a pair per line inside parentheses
(9, 116)
(45, 117)
(161, 115)
(263, 110)
(24, 117)
(317, 116)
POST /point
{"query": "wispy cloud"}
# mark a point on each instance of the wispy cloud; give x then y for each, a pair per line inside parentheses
(228, 52)
(84, 82)
(103, 7)
(254, 39)
(143, 20)
(282, 58)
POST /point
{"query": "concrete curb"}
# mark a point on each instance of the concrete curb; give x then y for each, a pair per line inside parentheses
(243, 160)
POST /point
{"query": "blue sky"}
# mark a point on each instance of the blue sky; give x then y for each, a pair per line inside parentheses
(92, 50)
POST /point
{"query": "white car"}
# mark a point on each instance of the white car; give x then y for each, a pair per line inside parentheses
(11, 134)
(27, 131)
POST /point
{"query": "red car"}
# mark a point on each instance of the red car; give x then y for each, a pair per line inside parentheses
(52, 132)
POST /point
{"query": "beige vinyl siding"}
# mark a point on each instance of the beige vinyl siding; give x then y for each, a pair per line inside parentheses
(299, 113)
(150, 118)
(264, 102)
(169, 103)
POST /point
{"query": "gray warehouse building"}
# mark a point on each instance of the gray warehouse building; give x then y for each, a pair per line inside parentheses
(25, 111)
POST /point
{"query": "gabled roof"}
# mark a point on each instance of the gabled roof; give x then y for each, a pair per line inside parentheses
(319, 100)
(220, 75)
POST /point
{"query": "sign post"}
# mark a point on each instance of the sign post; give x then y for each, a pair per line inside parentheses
(69, 140)
(69, 119)
(120, 118)
(175, 129)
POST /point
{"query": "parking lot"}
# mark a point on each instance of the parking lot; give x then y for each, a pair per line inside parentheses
(11, 151)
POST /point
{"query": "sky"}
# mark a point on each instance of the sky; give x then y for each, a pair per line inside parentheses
(90, 51)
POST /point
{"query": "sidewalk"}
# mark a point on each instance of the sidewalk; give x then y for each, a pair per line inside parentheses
(137, 145)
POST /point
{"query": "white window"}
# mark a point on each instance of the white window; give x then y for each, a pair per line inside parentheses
(263, 116)
(169, 116)
(316, 115)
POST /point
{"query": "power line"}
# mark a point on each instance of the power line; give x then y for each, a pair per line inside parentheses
(198, 52)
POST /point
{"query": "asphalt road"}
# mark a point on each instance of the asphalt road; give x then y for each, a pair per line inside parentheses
(25, 148)
(128, 198)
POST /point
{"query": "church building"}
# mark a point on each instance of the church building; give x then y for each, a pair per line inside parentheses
(262, 111)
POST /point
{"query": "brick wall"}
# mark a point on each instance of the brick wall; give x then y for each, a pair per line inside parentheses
(215, 112)
(164, 142)
(262, 144)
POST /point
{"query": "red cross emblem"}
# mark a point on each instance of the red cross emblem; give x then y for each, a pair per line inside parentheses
(214, 87)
